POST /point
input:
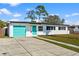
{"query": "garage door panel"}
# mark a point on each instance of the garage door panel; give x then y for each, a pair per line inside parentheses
(19, 31)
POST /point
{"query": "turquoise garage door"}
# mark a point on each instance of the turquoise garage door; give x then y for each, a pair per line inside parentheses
(19, 31)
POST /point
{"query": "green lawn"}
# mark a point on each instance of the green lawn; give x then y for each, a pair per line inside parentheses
(68, 38)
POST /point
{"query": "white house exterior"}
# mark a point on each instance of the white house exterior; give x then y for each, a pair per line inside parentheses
(27, 29)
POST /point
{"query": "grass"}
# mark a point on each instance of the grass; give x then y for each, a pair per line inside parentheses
(62, 45)
(4, 37)
(69, 38)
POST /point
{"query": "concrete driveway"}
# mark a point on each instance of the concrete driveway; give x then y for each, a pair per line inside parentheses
(31, 47)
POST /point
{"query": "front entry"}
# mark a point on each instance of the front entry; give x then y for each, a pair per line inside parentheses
(34, 30)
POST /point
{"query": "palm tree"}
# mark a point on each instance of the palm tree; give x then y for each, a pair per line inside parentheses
(41, 12)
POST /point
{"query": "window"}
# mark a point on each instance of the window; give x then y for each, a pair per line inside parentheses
(62, 28)
(40, 28)
(50, 28)
(53, 28)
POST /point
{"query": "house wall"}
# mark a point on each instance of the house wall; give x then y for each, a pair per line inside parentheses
(41, 32)
(28, 28)
(44, 32)
(10, 30)
(52, 32)
(29, 31)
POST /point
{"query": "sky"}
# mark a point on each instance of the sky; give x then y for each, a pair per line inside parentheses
(17, 11)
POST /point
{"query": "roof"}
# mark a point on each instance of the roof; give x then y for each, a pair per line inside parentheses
(73, 26)
(36, 23)
(27, 22)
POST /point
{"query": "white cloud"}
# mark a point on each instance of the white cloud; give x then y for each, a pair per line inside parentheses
(0, 13)
(57, 14)
(68, 21)
(17, 15)
(54, 14)
(5, 11)
(76, 22)
(14, 20)
(8, 12)
(67, 15)
(14, 4)
(28, 9)
(73, 14)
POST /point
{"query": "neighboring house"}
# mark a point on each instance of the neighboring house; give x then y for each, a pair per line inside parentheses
(74, 29)
(26, 29)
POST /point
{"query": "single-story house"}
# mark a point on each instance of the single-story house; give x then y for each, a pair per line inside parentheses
(26, 29)
(74, 29)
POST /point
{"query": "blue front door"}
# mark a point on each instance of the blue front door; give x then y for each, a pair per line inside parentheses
(34, 30)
